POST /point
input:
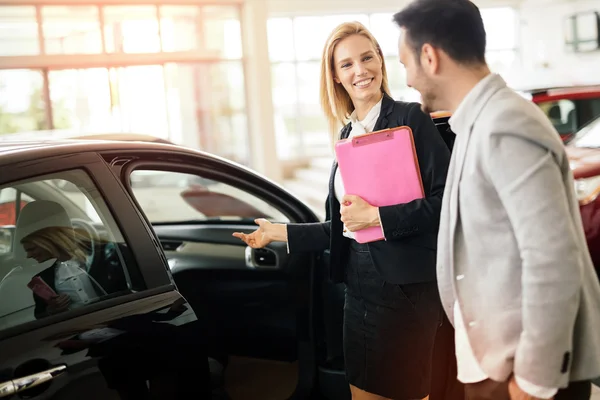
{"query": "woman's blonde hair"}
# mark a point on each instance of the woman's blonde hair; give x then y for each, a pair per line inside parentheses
(335, 100)
(58, 240)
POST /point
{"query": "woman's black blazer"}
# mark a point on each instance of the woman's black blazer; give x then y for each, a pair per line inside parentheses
(408, 255)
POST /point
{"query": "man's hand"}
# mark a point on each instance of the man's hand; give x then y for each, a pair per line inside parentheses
(516, 393)
(357, 214)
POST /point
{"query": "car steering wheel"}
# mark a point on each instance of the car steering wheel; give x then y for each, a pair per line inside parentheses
(93, 237)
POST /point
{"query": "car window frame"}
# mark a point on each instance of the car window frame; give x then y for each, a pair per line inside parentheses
(213, 175)
(276, 216)
(583, 132)
(145, 251)
(210, 167)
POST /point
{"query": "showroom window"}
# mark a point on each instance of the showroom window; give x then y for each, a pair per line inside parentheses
(171, 71)
(295, 47)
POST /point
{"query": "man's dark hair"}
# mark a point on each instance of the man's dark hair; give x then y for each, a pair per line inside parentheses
(454, 26)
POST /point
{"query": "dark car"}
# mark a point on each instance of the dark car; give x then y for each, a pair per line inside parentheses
(112, 290)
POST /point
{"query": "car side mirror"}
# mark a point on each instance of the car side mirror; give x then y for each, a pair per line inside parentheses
(6, 238)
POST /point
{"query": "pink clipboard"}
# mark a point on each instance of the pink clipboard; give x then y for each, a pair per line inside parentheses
(382, 168)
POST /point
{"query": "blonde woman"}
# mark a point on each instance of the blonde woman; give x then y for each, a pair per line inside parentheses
(392, 309)
(67, 276)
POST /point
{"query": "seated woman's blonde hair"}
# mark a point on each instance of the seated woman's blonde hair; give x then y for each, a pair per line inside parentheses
(59, 240)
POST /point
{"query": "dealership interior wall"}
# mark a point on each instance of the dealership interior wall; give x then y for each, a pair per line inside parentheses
(236, 78)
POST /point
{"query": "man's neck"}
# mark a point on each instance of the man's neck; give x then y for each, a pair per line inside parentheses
(362, 108)
(462, 82)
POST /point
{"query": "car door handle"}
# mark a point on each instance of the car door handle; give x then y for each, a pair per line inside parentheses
(27, 382)
(260, 258)
(7, 389)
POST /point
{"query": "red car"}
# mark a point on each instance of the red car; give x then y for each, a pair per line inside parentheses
(568, 108)
(584, 152)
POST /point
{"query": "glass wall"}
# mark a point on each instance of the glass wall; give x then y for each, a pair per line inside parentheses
(71, 30)
(502, 28)
(22, 105)
(18, 31)
(172, 71)
(295, 47)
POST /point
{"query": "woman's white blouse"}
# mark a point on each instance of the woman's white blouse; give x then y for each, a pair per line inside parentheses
(72, 280)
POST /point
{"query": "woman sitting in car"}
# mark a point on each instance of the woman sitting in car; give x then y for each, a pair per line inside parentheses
(65, 284)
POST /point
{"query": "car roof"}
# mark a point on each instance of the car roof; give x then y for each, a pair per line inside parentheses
(68, 134)
(559, 93)
(28, 141)
(128, 137)
(562, 89)
(12, 152)
(18, 151)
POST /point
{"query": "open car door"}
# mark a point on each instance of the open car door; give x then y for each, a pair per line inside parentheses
(261, 307)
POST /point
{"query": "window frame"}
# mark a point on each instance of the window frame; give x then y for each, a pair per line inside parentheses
(211, 167)
(127, 219)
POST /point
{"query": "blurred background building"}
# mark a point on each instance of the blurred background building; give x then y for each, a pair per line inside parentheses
(237, 78)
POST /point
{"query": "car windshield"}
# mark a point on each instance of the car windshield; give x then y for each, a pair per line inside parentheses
(588, 136)
(562, 114)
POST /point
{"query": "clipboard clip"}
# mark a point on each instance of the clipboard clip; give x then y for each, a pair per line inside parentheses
(372, 138)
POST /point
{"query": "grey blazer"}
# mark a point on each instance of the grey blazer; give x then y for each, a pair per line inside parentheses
(511, 247)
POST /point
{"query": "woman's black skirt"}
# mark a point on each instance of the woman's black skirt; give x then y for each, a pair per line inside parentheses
(389, 330)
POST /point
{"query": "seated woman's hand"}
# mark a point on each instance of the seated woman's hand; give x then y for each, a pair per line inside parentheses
(357, 214)
(58, 304)
(266, 233)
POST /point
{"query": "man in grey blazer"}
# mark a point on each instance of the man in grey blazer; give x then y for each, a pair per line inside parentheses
(514, 272)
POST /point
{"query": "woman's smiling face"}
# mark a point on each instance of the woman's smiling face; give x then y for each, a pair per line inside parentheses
(358, 68)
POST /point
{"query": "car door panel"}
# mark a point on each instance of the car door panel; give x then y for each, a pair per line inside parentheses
(273, 258)
(116, 343)
(239, 289)
(88, 344)
(247, 309)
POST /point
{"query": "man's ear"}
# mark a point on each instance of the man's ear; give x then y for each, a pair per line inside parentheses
(430, 58)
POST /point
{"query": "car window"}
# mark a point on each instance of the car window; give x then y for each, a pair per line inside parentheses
(562, 114)
(588, 136)
(11, 202)
(588, 110)
(173, 197)
(63, 249)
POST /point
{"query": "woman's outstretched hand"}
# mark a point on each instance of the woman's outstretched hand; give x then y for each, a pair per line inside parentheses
(266, 233)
